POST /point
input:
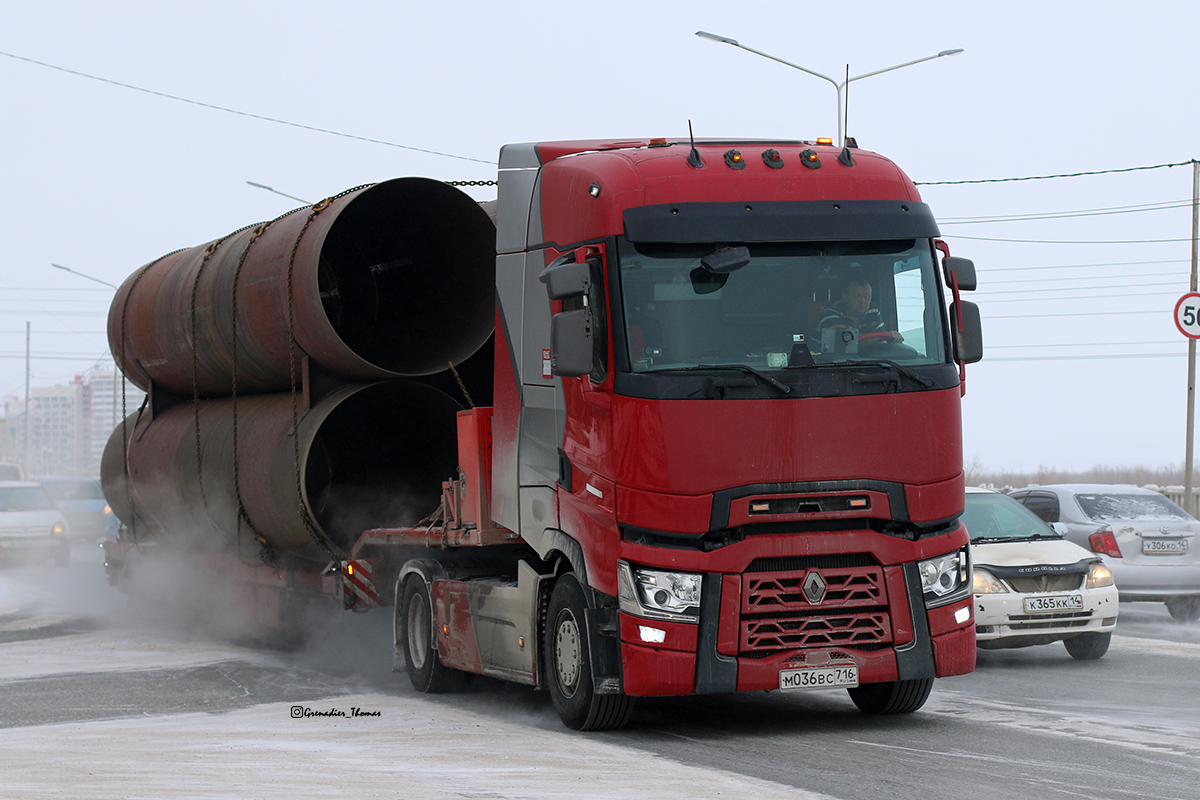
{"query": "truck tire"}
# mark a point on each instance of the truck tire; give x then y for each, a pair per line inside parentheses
(569, 666)
(414, 634)
(1088, 646)
(1185, 608)
(894, 697)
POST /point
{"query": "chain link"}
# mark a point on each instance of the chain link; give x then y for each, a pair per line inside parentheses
(472, 183)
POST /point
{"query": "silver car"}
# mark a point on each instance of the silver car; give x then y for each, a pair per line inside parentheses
(1032, 586)
(1148, 542)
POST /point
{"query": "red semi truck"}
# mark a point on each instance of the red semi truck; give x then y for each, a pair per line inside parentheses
(717, 445)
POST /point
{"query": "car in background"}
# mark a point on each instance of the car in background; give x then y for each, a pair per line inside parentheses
(31, 526)
(82, 502)
(1150, 544)
(1031, 585)
(10, 471)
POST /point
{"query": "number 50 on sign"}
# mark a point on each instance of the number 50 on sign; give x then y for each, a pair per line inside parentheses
(1187, 315)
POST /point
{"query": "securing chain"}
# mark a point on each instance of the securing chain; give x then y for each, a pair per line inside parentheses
(124, 408)
(472, 183)
(461, 385)
(266, 553)
(208, 253)
(305, 514)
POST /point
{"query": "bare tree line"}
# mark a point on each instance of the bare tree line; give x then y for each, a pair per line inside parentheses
(978, 475)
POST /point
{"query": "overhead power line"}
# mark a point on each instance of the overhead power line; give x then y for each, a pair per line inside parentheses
(242, 113)
(1062, 175)
(1065, 241)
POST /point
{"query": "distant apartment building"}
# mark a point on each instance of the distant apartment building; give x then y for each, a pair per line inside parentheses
(68, 426)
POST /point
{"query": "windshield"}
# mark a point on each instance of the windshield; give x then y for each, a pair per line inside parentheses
(24, 498)
(74, 490)
(995, 516)
(794, 304)
(1102, 507)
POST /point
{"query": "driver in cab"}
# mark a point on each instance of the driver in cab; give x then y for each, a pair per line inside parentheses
(854, 314)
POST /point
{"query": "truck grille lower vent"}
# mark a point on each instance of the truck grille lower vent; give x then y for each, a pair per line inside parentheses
(851, 609)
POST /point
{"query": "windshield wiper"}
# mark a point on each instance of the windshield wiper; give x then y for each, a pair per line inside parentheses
(875, 362)
(778, 384)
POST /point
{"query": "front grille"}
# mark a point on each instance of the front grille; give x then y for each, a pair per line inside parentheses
(776, 614)
(1033, 622)
(1046, 583)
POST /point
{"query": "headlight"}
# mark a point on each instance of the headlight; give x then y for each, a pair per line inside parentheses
(1099, 575)
(58, 530)
(945, 579)
(658, 594)
(985, 582)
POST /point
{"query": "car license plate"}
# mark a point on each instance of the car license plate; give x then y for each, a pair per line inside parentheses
(818, 677)
(1062, 602)
(1164, 547)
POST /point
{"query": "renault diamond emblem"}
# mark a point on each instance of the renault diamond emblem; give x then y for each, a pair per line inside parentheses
(814, 587)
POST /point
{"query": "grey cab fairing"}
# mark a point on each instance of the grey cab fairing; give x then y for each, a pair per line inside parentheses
(524, 313)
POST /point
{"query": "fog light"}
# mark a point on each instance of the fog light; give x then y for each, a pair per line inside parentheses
(652, 635)
(962, 615)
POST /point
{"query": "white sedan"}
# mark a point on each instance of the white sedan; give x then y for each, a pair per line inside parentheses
(1031, 585)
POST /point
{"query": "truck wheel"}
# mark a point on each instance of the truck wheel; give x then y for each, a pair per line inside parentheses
(894, 697)
(1088, 646)
(569, 665)
(1184, 609)
(414, 634)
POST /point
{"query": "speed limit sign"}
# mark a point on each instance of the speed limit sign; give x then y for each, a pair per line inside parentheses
(1187, 315)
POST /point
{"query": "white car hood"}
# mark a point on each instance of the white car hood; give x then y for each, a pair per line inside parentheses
(1028, 552)
(41, 521)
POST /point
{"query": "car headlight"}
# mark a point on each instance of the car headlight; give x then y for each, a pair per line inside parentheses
(984, 582)
(1098, 575)
(945, 579)
(658, 594)
(58, 530)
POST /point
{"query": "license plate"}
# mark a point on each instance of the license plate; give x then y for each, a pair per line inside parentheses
(791, 680)
(1173, 547)
(1062, 602)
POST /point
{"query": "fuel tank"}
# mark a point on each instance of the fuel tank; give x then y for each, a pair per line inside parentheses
(395, 279)
(363, 456)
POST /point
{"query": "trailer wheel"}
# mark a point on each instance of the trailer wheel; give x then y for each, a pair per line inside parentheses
(893, 697)
(414, 634)
(569, 665)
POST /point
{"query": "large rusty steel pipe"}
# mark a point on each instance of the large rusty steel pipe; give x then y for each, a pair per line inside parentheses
(364, 456)
(391, 280)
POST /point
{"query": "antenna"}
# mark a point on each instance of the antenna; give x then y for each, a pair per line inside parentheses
(693, 158)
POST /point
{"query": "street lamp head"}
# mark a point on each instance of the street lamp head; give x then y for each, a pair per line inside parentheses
(950, 52)
(714, 37)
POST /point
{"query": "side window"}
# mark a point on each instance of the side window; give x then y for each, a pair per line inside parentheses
(1043, 504)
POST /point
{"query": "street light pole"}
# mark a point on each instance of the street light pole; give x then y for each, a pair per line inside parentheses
(838, 87)
(80, 274)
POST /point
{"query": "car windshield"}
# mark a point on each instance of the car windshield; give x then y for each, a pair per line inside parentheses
(837, 302)
(1101, 507)
(74, 490)
(995, 516)
(24, 498)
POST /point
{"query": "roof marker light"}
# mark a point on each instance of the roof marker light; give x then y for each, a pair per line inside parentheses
(734, 160)
(824, 140)
(772, 159)
(594, 190)
(810, 159)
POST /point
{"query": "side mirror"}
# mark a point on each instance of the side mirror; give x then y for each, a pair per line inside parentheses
(566, 278)
(968, 342)
(571, 343)
(1060, 528)
(962, 269)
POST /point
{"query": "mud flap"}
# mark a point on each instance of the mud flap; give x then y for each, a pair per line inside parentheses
(604, 643)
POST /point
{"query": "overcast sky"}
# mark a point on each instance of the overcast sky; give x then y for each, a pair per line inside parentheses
(1083, 365)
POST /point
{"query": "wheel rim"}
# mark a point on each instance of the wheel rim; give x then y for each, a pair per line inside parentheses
(567, 654)
(418, 631)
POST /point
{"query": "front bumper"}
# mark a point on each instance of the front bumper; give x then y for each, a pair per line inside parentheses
(1001, 619)
(752, 626)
